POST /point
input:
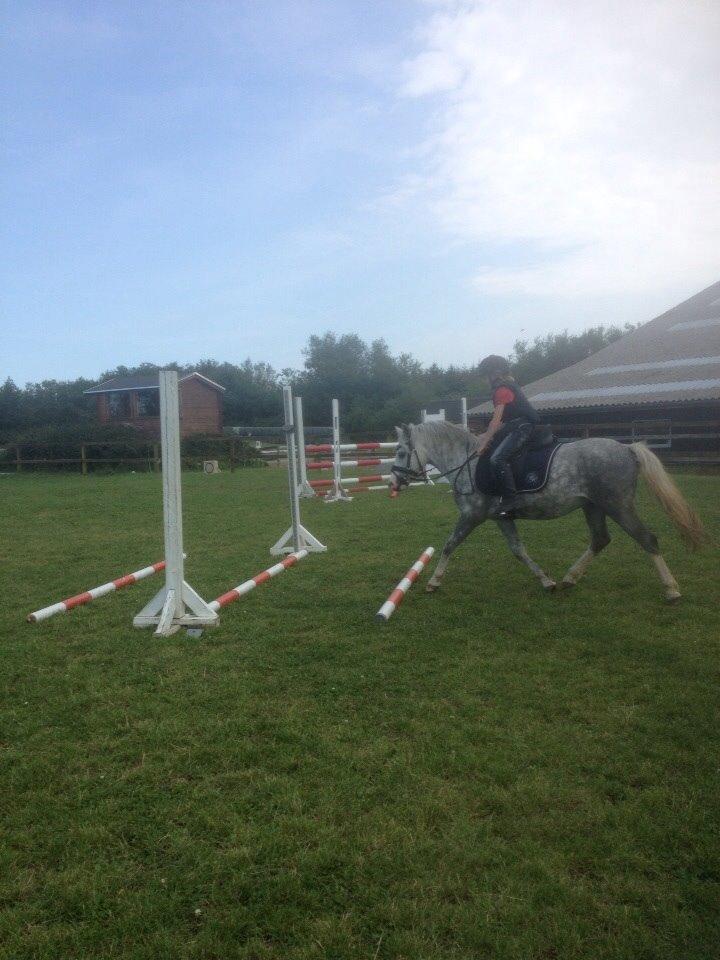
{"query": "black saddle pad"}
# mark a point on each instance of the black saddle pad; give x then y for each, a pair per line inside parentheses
(531, 468)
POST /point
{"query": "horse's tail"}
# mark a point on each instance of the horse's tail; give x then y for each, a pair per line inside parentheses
(672, 501)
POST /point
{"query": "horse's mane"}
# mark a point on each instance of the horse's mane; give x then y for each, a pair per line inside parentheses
(441, 431)
(441, 428)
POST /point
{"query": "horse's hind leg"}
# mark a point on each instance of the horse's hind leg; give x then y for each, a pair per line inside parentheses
(626, 518)
(463, 528)
(517, 547)
(599, 539)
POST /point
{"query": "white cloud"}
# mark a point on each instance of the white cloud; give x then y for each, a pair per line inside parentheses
(584, 134)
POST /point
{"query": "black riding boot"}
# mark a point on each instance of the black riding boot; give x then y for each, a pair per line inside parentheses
(509, 490)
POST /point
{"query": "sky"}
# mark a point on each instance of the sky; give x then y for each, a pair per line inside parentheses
(221, 179)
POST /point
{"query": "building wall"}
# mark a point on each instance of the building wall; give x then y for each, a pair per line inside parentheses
(200, 408)
(102, 407)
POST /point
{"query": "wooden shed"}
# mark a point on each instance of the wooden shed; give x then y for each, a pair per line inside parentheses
(134, 401)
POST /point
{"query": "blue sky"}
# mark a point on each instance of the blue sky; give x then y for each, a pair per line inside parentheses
(222, 179)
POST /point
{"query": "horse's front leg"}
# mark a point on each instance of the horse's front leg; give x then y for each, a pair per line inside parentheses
(463, 528)
(509, 531)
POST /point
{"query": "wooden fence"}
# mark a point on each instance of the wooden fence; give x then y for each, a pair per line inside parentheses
(234, 455)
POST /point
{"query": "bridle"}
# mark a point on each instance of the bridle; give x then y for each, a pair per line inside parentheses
(404, 475)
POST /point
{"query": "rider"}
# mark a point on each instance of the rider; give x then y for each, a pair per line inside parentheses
(510, 428)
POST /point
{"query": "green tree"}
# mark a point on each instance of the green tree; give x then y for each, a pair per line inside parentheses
(10, 405)
(545, 355)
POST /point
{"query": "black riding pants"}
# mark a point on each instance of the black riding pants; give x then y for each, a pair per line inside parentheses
(515, 440)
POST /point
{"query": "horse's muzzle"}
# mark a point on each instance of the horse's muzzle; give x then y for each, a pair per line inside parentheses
(397, 482)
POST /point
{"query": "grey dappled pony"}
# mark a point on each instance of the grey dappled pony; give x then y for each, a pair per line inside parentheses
(598, 476)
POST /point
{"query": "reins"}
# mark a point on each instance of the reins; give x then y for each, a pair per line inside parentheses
(456, 470)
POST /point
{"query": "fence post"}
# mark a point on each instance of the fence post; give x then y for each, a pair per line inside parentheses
(83, 460)
(232, 454)
(155, 458)
(18, 458)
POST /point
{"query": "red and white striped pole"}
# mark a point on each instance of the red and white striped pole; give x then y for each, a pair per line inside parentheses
(79, 599)
(367, 462)
(398, 594)
(350, 447)
(351, 481)
(232, 595)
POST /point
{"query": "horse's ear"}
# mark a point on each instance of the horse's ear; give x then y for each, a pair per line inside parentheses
(403, 433)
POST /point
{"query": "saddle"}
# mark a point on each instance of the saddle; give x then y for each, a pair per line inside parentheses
(530, 467)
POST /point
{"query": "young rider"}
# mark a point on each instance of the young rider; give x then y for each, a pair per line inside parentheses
(509, 430)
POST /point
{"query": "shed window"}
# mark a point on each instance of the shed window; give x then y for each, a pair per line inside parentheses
(148, 403)
(118, 405)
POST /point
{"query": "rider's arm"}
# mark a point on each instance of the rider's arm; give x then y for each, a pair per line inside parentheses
(492, 429)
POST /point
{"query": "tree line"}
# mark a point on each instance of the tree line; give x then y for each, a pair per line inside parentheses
(377, 389)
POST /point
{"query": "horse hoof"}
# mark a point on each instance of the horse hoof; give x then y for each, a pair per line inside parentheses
(567, 584)
(672, 596)
(549, 586)
(431, 587)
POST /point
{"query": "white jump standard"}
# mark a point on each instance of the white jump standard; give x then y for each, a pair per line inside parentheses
(88, 595)
(304, 488)
(296, 538)
(398, 594)
(338, 492)
(176, 605)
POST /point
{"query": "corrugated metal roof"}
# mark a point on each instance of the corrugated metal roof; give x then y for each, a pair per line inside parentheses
(647, 365)
(144, 381)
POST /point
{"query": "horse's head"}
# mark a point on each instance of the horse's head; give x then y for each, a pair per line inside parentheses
(408, 465)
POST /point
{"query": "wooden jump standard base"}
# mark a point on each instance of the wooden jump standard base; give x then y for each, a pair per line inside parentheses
(398, 594)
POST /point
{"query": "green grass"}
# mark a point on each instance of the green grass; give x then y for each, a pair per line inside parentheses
(496, 773)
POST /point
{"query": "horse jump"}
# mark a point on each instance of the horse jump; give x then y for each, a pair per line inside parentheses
(177, 605)
(334, 489)
(398, 594)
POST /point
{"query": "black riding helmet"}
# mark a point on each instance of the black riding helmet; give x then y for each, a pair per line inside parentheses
(494, 366)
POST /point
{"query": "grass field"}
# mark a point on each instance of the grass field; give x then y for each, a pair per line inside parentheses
(497, 773)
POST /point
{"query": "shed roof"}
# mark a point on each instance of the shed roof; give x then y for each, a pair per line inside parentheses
(671, 359)
(145, 381)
